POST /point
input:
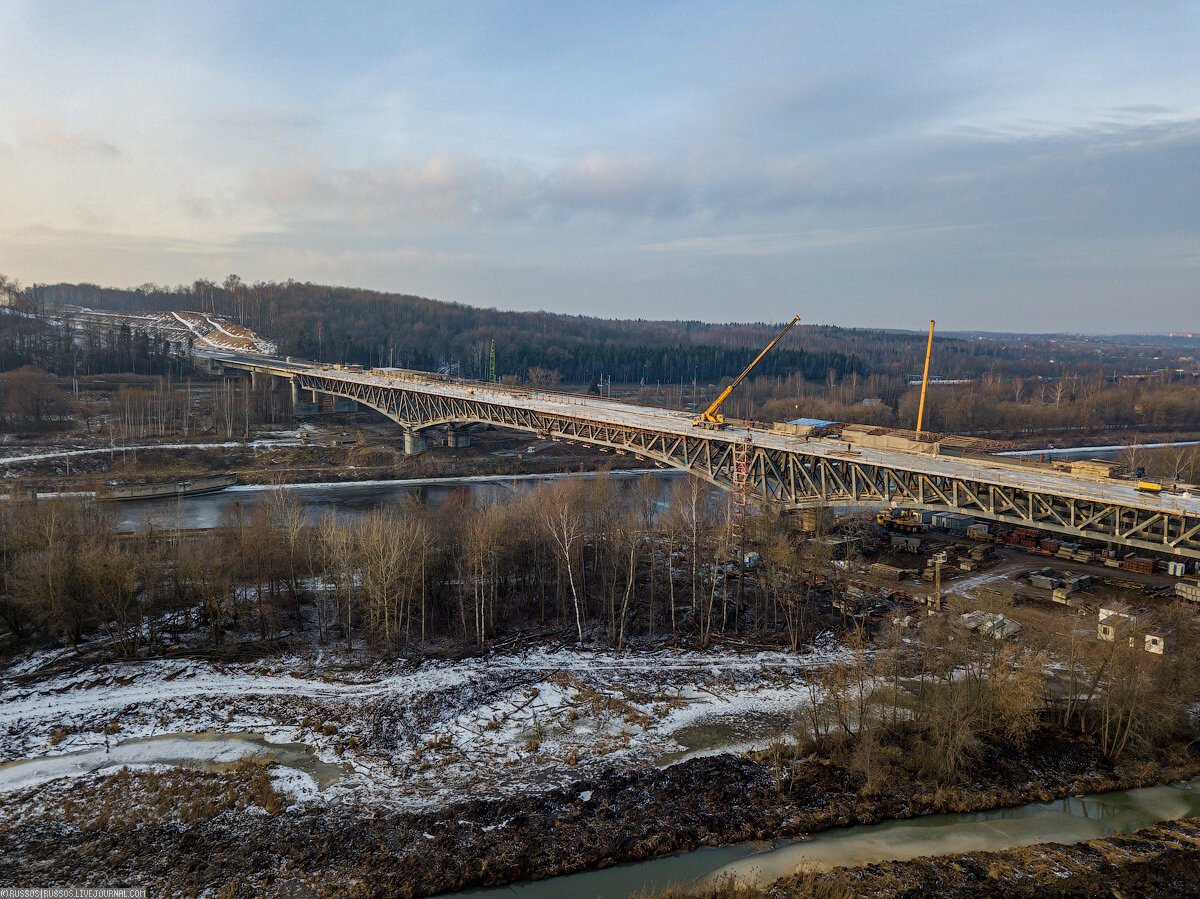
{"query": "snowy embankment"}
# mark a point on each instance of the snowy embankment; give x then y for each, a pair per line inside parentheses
(416, 735)
(228, 444)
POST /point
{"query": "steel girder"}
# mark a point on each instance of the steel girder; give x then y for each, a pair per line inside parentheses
(791, 478)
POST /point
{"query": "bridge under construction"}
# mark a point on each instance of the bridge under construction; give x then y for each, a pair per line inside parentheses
(761, 464)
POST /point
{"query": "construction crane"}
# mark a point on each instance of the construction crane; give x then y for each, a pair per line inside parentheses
(924, 382)
(710, 418)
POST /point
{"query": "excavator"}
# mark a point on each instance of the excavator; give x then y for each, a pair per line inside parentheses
(710, 417)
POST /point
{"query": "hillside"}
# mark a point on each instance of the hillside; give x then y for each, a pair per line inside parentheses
(343, 324)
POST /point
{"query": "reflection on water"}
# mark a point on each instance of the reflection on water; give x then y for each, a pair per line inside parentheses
(347, 501)
(210, 751)
(1064, 821)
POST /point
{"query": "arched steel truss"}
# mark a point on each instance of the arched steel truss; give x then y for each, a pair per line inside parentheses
(791, 478)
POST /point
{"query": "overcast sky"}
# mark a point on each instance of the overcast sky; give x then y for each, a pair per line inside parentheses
(1004, 166)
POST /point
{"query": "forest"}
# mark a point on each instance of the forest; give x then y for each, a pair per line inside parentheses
(341, 324)
(1011, 386)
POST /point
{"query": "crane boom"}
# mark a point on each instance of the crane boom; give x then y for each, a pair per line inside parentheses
(709, 418)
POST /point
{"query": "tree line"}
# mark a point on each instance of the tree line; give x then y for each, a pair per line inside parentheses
(30, 335)
(587, 556)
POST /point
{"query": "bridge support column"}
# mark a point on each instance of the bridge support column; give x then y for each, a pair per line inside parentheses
(344, 404)
(302, 408)
(414, 443)
(457, 438)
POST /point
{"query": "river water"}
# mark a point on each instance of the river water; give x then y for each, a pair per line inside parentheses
(350, 500)
(1064, 821)
(346, 500)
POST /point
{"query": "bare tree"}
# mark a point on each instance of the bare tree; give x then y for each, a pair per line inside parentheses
(562, 520)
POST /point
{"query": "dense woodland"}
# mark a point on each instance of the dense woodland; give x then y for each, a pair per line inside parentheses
(31, 335)
(339, 324)
(1019, 384)
(342, 324)
(1010, 391)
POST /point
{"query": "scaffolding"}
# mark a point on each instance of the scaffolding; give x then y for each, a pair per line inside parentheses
(741, 481)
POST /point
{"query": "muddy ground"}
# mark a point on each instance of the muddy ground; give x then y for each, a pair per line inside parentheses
(352, 849)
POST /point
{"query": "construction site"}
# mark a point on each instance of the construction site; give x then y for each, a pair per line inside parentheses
(413, 598)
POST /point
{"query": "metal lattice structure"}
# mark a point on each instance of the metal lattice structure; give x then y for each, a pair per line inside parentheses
(763, 467)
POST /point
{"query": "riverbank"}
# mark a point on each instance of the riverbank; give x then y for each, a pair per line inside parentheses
(363, 849)
(281, 458)
(1162, 860)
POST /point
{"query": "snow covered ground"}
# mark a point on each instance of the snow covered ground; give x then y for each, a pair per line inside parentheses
(92, 451)
(403, 735)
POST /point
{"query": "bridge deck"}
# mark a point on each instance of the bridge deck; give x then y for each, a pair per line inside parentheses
(787, 470)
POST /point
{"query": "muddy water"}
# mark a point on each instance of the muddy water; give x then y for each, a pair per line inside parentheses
(1065, 821)
(210, 751)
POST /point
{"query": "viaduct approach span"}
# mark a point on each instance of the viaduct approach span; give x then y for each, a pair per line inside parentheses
(761, 464)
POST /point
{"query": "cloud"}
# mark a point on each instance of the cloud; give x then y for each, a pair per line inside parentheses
(1090, 176)
(774, 244)
(50, 138)
(460, 189)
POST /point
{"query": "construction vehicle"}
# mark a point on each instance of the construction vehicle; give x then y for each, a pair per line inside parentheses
(904, 521)
(713, 420)
(1149, 487)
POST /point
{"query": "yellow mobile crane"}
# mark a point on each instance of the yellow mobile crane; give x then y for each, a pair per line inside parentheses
(709, 418)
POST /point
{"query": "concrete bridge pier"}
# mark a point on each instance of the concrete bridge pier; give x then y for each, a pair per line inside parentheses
(457, 438)
(303, 408)
(414, 443)
(344, 404)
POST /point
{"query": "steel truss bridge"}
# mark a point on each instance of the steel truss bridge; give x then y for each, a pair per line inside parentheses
(770, 468)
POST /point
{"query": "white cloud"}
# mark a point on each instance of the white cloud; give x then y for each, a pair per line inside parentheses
(51, 138)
